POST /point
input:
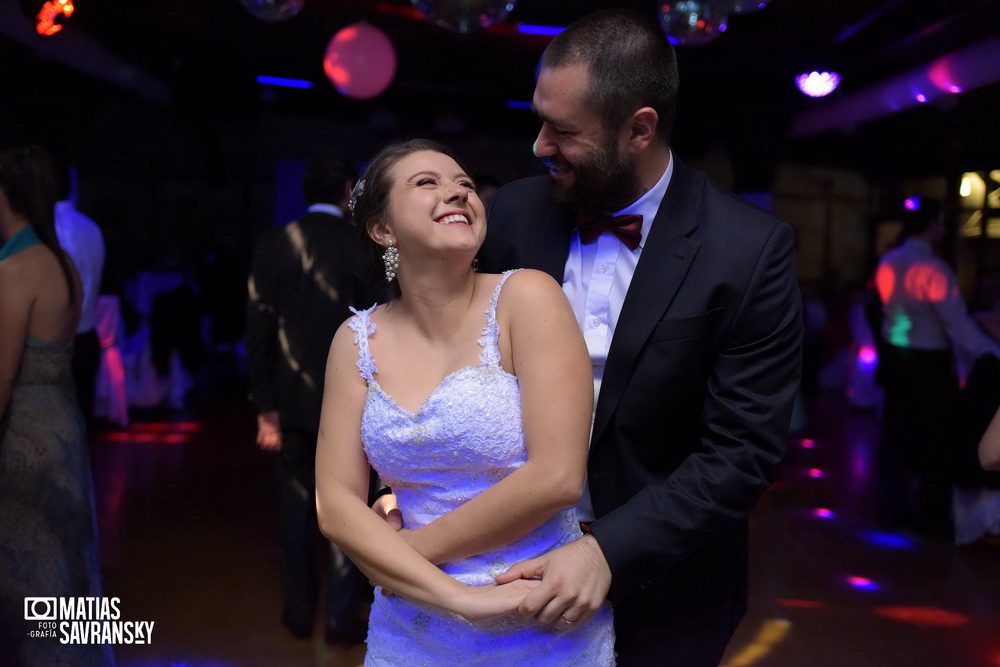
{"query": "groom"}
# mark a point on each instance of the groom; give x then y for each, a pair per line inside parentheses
(692, 318)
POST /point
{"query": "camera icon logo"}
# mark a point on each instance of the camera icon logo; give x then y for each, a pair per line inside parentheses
(40, 609)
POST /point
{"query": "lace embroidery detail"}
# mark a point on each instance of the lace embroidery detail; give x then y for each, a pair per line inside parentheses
(491, 332)
(465, 437)
(363, 327)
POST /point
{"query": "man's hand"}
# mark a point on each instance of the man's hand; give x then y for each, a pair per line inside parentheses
(269, 431)
(575, 582)
(493, 601)
(385, 506)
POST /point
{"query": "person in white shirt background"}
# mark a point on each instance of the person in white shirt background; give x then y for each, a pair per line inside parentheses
(924, 322)
(82, 239)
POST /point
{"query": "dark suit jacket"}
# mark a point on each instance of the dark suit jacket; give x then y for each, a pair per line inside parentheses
(304, 276)
(694, 407)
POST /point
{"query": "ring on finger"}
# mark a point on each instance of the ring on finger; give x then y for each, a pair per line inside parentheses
(567, 621)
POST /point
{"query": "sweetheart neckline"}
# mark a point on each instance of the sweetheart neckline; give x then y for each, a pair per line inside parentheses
(423, 404)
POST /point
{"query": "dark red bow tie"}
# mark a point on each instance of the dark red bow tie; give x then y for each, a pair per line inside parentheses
(628, 228)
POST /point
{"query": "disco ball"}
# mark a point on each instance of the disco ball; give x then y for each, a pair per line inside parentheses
(747, 6)
(464, 15)
(693, 22)
(273, 11)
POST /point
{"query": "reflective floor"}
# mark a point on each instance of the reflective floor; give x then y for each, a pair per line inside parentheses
(188, 523)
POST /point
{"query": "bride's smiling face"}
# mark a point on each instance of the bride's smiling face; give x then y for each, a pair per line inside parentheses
(433, 204)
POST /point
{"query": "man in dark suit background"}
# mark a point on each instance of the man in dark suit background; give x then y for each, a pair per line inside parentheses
(304, 277)
(693, 319)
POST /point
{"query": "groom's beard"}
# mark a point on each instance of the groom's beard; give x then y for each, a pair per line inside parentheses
(605, 180)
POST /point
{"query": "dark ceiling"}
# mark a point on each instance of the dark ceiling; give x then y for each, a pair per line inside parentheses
(736, 92)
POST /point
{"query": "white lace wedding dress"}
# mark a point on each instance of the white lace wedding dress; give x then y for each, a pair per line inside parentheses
(464, 438)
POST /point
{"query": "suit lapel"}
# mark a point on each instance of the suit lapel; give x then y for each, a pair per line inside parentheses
(551, 245)
(667, 254)
(527, 228)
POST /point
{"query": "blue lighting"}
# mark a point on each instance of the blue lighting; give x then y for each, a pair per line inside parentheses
(526, 29)
(514, 104)
(286, 83)
(888, 540)
(862, 583)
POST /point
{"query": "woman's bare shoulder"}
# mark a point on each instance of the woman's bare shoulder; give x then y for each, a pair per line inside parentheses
(32, 267)
(530, 288)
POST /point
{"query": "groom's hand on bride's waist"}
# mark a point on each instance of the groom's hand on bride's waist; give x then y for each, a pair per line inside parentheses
(575, 582)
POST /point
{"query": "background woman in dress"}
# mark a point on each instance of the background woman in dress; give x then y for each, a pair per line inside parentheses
(48, 537)
(471, 395)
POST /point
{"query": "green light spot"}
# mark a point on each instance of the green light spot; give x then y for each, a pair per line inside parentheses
(899, 332)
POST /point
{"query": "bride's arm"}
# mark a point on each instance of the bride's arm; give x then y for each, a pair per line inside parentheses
(344, 517)
(552, 365)
(989, 445)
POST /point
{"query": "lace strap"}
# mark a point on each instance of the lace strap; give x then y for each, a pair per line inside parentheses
(363, 327)
(490, 355)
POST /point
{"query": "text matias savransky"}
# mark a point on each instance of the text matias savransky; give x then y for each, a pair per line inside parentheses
(85, 620)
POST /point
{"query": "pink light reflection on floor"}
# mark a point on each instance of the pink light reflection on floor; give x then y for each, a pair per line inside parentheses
(930, 616)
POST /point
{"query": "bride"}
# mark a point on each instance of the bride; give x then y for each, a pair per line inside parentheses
(471, 396)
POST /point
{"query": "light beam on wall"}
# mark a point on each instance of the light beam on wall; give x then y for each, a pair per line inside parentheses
(959, 71)
(77, 49)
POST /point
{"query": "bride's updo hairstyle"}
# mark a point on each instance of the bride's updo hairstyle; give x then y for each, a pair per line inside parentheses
(370, 196)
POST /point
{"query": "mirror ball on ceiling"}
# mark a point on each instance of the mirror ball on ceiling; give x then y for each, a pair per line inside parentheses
(748, 6)
(464, 15)
(360, 61)
(273, 11)
(694, 22)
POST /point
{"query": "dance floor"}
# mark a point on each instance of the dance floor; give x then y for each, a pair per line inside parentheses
(188, 521)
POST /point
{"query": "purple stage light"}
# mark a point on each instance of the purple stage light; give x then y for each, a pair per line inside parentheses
(817, 84)
(862, 583)
(867, 357)
(888, 540)
(546, 30)
(966, 69)
(283, 82)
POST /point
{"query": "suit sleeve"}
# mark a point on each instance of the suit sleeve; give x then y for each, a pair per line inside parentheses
(261, 331)
(743, 430)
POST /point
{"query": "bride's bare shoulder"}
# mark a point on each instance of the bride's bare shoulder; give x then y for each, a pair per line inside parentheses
(531, 284)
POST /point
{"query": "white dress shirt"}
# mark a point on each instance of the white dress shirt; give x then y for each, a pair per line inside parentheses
(596, 280)
(922, 307)
(82, 240)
